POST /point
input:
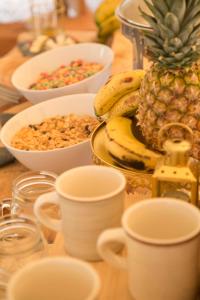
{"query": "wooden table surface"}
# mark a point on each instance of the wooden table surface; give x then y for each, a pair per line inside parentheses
(114, 282)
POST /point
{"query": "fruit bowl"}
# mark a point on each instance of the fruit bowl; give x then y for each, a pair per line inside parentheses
(136, 178)
(28, 73)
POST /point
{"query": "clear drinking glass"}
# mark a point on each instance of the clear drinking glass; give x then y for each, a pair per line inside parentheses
(27, 188)
(74, 8)
(21, 241)
(44, 17)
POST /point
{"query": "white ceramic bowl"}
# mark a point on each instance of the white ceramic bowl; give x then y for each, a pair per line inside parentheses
(57, 160)
(29, 72)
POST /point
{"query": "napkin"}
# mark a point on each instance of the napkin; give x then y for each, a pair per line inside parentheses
(5, 156)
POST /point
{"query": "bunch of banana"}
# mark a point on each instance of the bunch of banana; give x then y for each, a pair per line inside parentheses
(126, 105)
(125, 148)
(120, 95)
(106, 20)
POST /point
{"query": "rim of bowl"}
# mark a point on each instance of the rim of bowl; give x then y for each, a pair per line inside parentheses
(2, 130)
(72, 84)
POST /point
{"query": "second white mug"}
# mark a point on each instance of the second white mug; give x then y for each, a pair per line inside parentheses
(162, 240)
(91, 199)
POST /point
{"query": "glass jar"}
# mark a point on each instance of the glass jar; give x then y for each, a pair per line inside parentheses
(27, 188)
(21, 241)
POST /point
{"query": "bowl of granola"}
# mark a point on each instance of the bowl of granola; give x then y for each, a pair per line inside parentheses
(74, 69)
(53, 135)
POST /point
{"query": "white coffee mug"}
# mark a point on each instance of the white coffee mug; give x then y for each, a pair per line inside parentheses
(54, 278)
(162, 240)
(91, 200)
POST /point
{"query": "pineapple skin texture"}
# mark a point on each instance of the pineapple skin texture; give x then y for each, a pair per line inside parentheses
(170, 95)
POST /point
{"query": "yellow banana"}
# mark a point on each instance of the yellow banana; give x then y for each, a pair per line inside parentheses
(119, 85)
(125, 148)
(126, 105)
(107, 27)
(105, 10)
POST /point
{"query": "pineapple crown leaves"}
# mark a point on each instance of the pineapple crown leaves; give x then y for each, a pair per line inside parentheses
(175, 27)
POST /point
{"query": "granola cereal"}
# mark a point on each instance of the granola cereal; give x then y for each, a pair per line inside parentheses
(55, 132)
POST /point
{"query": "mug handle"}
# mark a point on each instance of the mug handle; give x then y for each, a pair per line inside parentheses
(105, 249)
(50, 198)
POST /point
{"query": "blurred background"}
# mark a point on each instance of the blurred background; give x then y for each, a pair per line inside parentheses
(19, 10)
(16, 16)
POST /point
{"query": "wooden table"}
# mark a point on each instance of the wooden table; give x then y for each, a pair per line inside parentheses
(114, 282)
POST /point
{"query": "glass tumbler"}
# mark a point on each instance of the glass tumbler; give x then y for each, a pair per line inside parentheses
(21, 241)
(44, 17)
(74, 8)
(27, 188)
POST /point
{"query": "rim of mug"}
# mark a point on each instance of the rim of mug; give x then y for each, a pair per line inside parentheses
(65, 260)
(104, 197)
(160, 242)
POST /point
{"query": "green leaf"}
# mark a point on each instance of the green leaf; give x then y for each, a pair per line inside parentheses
(194, 21)
(155, 12)
(178, 8)
(185, 33)
(176, 42)
(161, 6)
(169, 3)
(193, 42)
(198, 51)
(151, 20)
(165, 32)
(172, 22)
(187, 60)
(157, 50)
(151, 43)
(191, 3)
(192, 13)
(154, 37)
(168, 49)
(188, 3)
(169, 59)
(179, 56)
(172, 63)
(195, 33)
(186, 50)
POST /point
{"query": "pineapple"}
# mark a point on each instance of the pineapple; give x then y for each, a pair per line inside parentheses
(170, 91)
